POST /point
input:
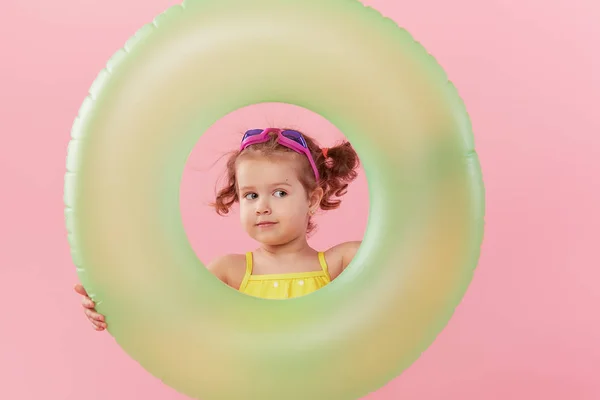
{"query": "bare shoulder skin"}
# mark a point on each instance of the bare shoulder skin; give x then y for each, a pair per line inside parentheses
(339, 257)
(230, 269)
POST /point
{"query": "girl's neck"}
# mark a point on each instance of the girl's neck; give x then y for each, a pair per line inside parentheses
(293, 248)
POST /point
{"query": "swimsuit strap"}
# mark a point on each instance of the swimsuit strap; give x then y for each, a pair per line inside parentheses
(248, 270)
(249, 263)
(324, 264)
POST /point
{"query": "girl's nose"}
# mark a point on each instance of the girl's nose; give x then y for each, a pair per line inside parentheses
(263, 208)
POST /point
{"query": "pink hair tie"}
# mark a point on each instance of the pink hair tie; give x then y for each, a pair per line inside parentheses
(325, 150)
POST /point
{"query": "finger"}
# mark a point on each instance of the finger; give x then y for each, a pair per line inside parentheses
(99, 326)
(94, 316)
(87, 302)
(80, 289)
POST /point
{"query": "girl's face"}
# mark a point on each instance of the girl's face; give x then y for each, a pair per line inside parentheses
(274, 206)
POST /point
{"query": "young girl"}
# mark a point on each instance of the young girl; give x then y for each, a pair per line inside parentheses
(280, 178)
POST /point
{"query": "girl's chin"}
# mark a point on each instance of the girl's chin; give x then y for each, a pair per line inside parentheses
(271, 238)
(270, 241)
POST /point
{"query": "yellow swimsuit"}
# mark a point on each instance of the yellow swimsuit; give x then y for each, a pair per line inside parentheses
(284, 286)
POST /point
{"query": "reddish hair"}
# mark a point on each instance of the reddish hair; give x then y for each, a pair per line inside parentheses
(337, 168)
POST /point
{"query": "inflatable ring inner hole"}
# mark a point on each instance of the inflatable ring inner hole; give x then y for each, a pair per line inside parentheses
(211, 235)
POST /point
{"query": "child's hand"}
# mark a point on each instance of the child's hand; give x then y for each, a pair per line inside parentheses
(95, 318)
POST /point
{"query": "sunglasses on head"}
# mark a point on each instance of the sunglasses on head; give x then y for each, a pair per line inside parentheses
(286, 137)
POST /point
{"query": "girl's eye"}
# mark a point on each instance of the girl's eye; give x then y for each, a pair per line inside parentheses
(280, 193)
(250, 196)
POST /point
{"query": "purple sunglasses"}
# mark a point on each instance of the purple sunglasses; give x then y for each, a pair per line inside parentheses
(288, 138)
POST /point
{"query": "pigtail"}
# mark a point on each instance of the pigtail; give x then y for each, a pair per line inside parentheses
(227, 196)
(337, 167)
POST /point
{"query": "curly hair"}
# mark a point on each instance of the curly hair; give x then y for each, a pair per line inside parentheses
(336, 165)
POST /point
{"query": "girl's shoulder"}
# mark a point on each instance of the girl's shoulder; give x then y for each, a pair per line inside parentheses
(339, 256)
(230, 269)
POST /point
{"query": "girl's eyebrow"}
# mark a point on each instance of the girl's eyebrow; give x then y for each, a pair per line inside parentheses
(281, 184)
(244, 188)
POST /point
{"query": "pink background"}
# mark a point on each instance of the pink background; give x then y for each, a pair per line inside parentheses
(529, 326)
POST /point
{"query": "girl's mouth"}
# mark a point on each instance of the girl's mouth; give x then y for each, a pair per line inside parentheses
(265, 224)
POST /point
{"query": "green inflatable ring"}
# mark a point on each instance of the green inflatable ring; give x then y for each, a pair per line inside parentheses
(175, 78)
